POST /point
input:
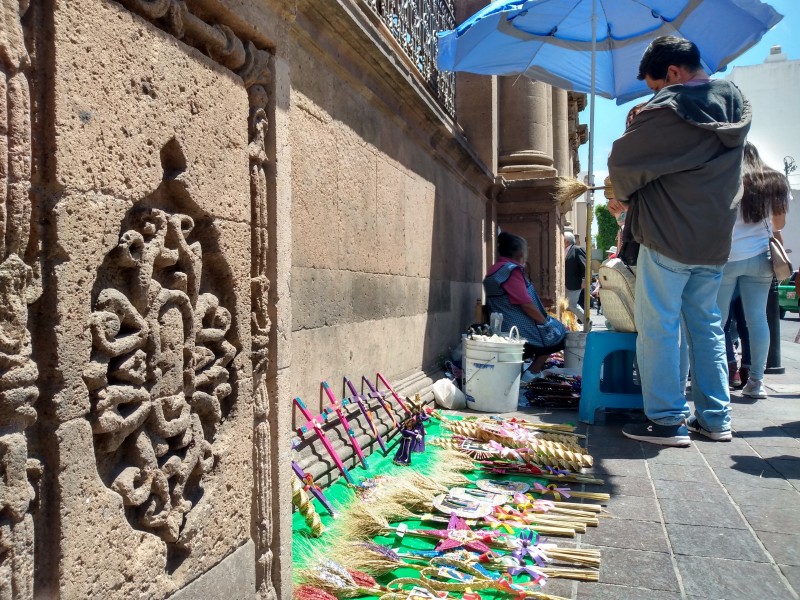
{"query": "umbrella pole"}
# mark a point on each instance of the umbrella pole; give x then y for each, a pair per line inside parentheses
(590, 192)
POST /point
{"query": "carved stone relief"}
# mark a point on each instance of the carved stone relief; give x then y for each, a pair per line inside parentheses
(221, 44)
(159, 370)
(19, 287)
(260, 328)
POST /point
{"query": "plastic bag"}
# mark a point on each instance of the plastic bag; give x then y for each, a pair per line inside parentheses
(447, 395)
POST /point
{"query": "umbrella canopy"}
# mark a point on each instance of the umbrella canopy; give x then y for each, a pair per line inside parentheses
(551, 40)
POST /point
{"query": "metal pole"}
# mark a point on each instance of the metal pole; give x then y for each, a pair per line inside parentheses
(774, 321)
(587, 298)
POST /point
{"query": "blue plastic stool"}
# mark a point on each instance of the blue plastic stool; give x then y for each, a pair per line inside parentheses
(607, 380)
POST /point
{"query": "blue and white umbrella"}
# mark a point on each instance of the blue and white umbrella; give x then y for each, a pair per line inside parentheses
(553, 40)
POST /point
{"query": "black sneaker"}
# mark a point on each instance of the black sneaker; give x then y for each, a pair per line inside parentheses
(692, 424)
(664, 435)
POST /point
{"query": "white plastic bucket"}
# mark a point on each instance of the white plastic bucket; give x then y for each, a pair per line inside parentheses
(574, 349)
(491, 375)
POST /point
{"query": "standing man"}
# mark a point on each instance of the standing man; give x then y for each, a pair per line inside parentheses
(575, 271)
(678, 166)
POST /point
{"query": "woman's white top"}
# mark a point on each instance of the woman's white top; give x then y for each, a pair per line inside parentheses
(749, 239)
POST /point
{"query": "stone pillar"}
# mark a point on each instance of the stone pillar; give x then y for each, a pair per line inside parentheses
(476, 112)
(561, 160)
(525, 121)
(476, 100)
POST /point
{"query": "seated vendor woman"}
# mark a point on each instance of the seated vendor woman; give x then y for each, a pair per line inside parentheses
(511, 293)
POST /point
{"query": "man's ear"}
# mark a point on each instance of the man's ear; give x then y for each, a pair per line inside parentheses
(673, 75)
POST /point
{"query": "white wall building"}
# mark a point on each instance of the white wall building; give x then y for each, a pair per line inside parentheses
(773, 88)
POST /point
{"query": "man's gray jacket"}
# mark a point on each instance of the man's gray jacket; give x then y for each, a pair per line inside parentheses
(679, 166)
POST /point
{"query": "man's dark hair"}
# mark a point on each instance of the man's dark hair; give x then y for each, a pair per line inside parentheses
(665, 51)
(510, 245)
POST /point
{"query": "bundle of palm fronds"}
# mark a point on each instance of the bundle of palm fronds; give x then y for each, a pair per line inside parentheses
(369, 557)
(361, 521)
(563, 428)
(577, 574)
(556, 491)
(510, 434)
(538, 449)
(302, 501)
(330, 576)
(584, 557)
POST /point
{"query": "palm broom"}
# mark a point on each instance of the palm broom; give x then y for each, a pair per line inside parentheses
(567, 190)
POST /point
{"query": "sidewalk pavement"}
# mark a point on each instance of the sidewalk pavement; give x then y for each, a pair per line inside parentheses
(714, 521)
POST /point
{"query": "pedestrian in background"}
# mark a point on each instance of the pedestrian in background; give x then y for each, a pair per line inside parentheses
(574, 274)
(678, 166)
(761, 213)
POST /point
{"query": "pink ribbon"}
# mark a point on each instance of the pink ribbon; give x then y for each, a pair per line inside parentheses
(552, 489)
(504, 451)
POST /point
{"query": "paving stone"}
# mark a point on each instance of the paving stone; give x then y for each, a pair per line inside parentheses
(735, 446)
(715, 542)
(755, 496)
(770, 436)
(628, 467)
(707, 491)
(730, 579)
(790, 468)
(779, 452)
(791, 573)
(628, 486)
(792, 429)
(601, 591)
(677, 456)
(564, 588)
(769, 478)
(680, 472)
(710, 514)
(784, 547)
(634, 507)
(750, 425)
(625, 533)
(634, 568)
(612, 444)
(752, 463)
(780, 520)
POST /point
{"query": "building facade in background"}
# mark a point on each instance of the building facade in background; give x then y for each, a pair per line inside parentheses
(772, 88)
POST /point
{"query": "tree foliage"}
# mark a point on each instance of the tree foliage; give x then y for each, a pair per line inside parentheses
(606, 227)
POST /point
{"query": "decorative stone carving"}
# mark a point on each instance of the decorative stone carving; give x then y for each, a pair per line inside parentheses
(19, 287)
(260, 328)
(219, 42)
(158, 371)
(253, 66)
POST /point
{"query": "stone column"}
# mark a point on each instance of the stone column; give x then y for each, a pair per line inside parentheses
(561, 159)
(476, 100)
(525, 120)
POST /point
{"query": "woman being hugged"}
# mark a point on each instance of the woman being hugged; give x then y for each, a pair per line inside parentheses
(511, 293)
(762, 211)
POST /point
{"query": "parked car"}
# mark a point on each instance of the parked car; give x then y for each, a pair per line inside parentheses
(787, 295)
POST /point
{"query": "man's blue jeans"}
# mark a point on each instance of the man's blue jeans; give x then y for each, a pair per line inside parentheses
(666, 290)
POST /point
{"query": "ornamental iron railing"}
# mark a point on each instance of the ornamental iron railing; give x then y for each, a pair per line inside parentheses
(414, 24)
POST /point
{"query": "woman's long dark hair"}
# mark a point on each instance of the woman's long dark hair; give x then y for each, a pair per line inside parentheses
(766, 191)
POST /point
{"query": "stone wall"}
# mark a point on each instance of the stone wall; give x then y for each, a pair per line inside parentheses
(207, 208)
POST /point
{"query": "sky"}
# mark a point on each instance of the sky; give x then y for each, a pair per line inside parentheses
(610, 119)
